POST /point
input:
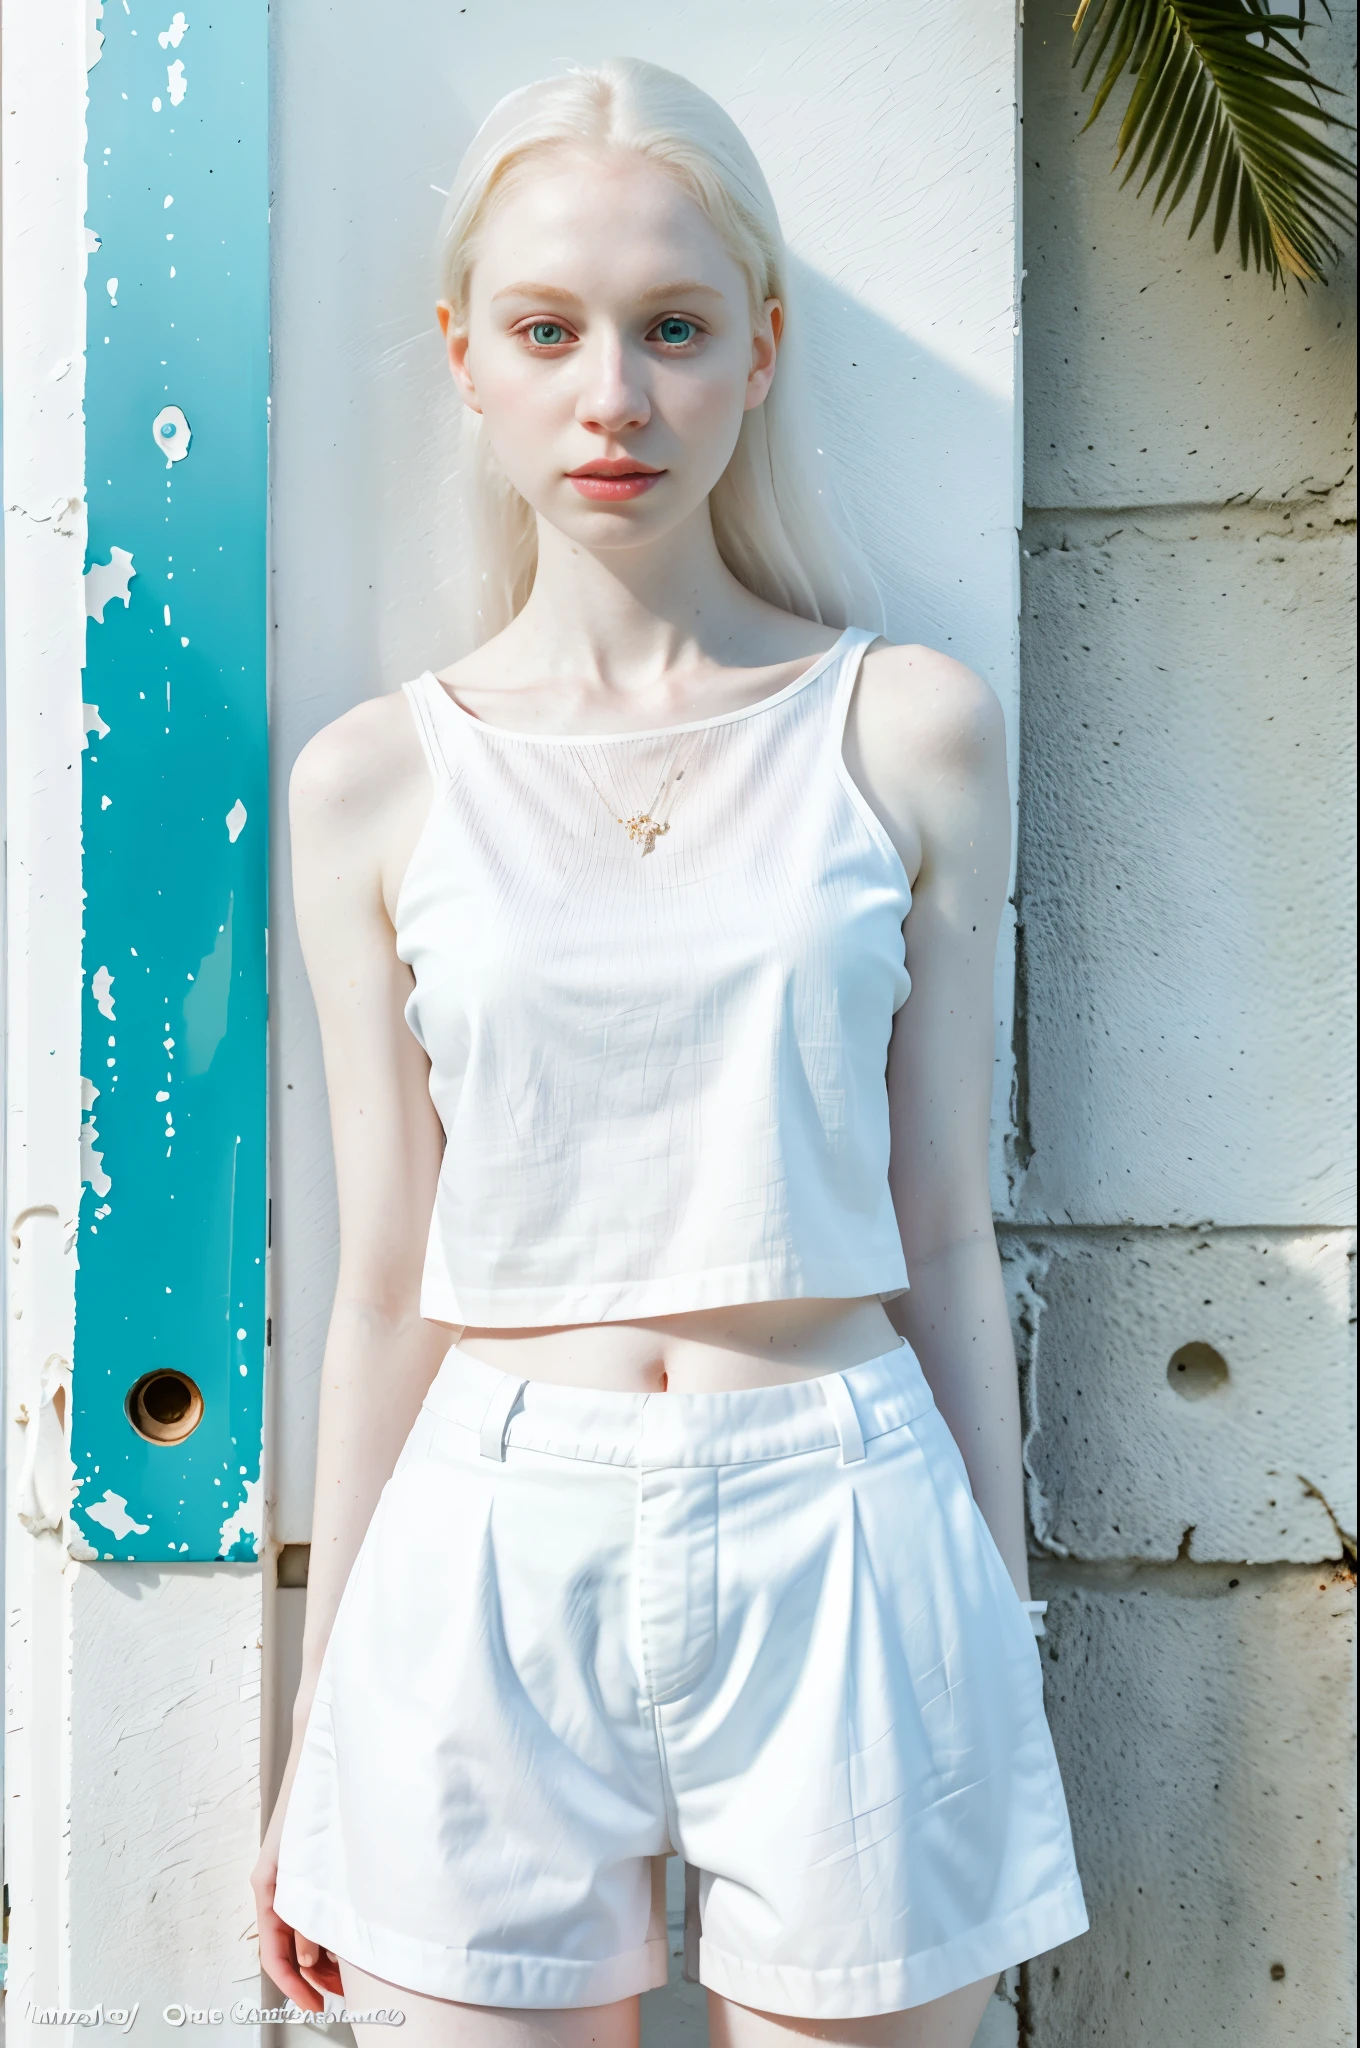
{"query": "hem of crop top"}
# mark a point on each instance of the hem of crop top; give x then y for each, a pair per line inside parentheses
(494, 1308)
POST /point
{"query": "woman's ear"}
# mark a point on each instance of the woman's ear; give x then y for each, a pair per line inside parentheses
(764, 350)
(456, 347)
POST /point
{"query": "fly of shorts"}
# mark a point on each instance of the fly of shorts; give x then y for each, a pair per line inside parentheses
(765, 1629)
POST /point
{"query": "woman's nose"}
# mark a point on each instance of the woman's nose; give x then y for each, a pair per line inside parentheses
(612, 398)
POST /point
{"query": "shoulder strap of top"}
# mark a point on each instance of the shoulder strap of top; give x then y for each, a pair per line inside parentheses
(849, 665)
(846, 675)
(426, 713)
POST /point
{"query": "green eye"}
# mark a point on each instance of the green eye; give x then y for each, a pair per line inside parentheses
(675, 333)
(547, 333)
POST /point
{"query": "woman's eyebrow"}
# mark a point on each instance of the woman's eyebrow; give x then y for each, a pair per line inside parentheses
(677, 288)
(534, 291)
(684, 286)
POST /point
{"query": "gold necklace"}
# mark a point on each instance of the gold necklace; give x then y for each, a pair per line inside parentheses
(643, 827)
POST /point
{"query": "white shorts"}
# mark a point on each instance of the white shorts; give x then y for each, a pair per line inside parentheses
(767, 1630)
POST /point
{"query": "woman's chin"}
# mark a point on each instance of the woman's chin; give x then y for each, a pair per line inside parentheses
(603, 523)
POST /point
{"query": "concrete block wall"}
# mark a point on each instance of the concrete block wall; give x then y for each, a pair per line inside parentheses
(1180, 1244)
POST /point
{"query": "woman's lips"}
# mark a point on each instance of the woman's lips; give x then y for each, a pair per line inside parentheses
(612, 482)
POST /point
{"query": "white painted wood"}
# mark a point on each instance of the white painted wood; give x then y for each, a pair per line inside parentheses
(44, 265)
(132, 1692)
(888, 135)
(165, 1769)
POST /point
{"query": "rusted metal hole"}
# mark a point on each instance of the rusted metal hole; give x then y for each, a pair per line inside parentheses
(1196, 1371)
(164, 1407)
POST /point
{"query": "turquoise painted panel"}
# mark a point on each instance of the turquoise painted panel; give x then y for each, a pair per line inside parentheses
(173, 1216)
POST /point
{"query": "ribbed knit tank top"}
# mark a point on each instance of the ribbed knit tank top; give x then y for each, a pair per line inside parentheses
(659, 1059)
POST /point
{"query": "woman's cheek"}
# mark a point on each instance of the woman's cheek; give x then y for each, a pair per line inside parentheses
(521, 427)
(707, 417)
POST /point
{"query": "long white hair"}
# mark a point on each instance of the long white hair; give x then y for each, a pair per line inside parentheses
(773, 526)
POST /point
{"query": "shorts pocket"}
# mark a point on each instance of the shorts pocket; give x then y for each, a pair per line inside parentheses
(950, 1472)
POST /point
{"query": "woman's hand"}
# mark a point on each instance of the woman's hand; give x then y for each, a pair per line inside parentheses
(300, 1967)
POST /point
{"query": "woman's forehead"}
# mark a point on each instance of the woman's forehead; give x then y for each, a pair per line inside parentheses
(569, 215)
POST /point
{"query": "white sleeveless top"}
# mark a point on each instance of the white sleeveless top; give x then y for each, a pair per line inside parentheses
(661, 1072)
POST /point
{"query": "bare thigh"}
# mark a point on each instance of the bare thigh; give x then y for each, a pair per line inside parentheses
(948, 2022)
(444, 2023)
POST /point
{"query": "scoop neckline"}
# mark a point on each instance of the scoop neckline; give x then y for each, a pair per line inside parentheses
(654, 732)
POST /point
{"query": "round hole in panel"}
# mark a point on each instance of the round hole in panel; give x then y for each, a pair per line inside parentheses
(164, 1406)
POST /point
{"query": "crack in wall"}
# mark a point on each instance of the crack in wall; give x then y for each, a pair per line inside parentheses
(1345, 1537)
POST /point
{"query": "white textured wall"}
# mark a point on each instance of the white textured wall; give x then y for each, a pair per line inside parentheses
(1185, 1142)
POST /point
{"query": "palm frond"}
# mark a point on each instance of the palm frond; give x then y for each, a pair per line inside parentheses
(1221, 88)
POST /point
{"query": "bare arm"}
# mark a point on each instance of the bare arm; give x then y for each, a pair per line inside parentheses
(380, 1356)
(356, 800)
(936, 738)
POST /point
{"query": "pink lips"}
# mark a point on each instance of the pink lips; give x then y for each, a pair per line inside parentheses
(611, 481)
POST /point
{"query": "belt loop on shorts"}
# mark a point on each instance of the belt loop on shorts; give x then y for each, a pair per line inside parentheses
(841, 1402)
(496, 1420)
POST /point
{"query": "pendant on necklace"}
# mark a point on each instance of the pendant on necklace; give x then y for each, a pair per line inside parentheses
(643, 830)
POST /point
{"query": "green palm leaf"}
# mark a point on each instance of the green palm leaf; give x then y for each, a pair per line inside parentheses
(1221, 90)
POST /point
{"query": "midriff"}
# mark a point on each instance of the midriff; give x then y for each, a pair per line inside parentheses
(749, 1344)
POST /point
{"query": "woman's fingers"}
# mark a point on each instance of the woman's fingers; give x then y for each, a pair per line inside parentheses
(282, 1952)
(323, 1971)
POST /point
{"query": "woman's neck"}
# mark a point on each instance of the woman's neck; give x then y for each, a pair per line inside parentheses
(631, 614)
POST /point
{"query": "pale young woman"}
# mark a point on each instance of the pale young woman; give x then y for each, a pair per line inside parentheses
(659, 1125)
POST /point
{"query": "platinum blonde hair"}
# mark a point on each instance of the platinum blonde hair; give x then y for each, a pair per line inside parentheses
(772, 524)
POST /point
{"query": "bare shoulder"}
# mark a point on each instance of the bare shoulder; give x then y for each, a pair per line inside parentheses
(357, 768)
(926, 741)
(923, 706)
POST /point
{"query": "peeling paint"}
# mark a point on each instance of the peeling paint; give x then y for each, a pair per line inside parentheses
(91, 1161)
(246, 1524)
(107, 580)
(175, 906)
(94, 35)
(111, 1511)
(91, 722)
(101, 988)
(44, 1478)
(171, 433)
